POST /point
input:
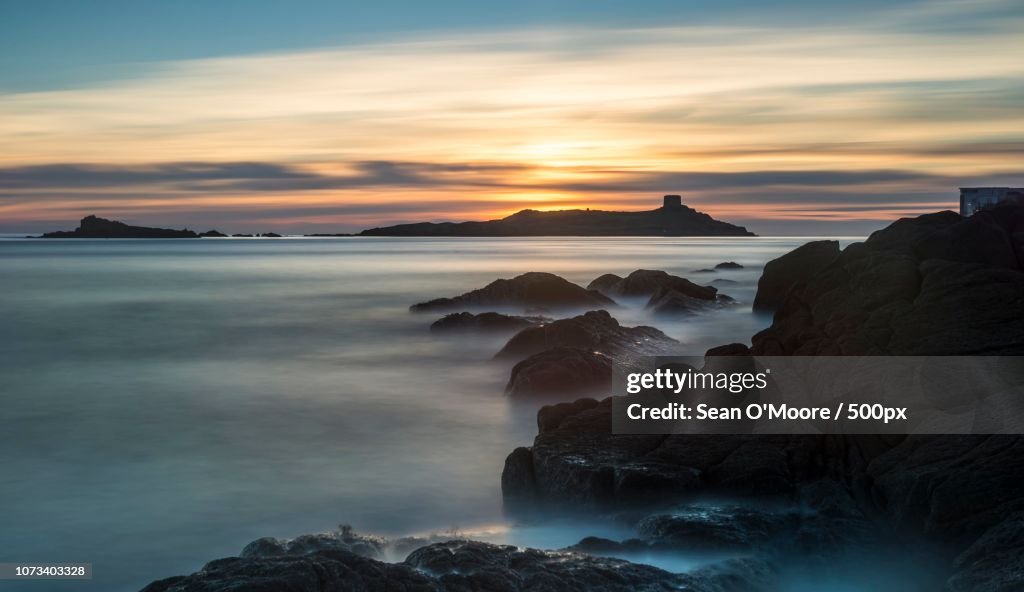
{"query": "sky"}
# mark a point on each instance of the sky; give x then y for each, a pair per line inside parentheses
(789, 117)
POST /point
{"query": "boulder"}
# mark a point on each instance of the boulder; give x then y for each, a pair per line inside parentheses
(562, 372)
(994, 562)
(669, 301)
(534, 290)
(596, 330)
(604, 283)
(728, 265)
(487, 322)
(938, 284)
(643, 283)
(795, 267)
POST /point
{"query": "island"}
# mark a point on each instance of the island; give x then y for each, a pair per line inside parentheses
(671, 219)
(96, 227)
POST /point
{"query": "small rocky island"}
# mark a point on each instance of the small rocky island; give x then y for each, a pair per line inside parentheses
(96, 227)
(671, 219)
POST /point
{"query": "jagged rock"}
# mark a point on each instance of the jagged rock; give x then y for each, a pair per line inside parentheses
(596, 330)
(791, 269)
(484, 322)
(95, 227)
(550, 416)
(345, 540)
(529, 290)
(938, 284)
(455, 566)
(562, 372)
(994, 562)
(717, 527)
(728, 265)
(645, 282)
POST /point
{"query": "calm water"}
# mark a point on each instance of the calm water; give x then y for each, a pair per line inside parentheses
(165, 402)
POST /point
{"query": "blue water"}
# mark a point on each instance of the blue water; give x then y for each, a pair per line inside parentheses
(165, 402)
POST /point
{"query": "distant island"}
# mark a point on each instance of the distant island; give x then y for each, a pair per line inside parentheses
(96, 227)
(671, 219)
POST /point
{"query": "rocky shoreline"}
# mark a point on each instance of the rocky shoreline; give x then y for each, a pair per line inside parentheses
(936, 284)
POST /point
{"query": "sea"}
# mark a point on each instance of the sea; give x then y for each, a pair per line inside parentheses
(164, 402)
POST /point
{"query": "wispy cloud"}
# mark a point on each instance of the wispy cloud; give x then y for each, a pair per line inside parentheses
(898, 108)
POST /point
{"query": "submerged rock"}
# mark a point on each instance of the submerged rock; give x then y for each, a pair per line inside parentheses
(483, 322)
(530, 290)
(791, 269)
(645, 282)
(668, 301)
(596, 330)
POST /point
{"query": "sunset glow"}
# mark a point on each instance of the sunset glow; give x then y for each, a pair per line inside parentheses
(843, 122)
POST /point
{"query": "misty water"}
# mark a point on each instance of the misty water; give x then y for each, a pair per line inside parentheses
(166, 402)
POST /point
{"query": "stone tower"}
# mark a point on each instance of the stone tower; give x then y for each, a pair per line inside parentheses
(673, 201)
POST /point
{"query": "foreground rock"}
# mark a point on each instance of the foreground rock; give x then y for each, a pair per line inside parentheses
(596, 330)
(643, 283)
(793, 268)
(456, 565)
(94, 227)
(534, 290)
(939, 284)
(488, 322)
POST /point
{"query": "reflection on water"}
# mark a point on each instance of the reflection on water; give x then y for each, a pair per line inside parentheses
(165, 402)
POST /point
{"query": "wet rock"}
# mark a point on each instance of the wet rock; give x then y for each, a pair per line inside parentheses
(995, 562)
(343, 540)
(490, 322)
(728, 265)
(791, 269)
(550, 416)
(530, 290)
(668, 301)
(643, 283)
(716, 527)
(596, 330)
(561, 372)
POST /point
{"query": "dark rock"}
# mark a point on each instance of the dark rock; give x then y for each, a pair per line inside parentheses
(550, 416)
(604, 283)
(704, 270)
(669, 301)
(342, 540)
(93, 227)
(938, 284)
(562, 372)
(242, 235)
(212, 234)
(791, 269)
(717, 527)
(469, 565)
(484, 322)
(995, 562)
(270, 235)
(596, 330)
(534, 289)
(322, 571)
(728, 265)
(724, 282)
(646, 282)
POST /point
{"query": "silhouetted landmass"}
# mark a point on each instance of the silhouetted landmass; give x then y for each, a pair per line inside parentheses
(672, 219)
(94, 227)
